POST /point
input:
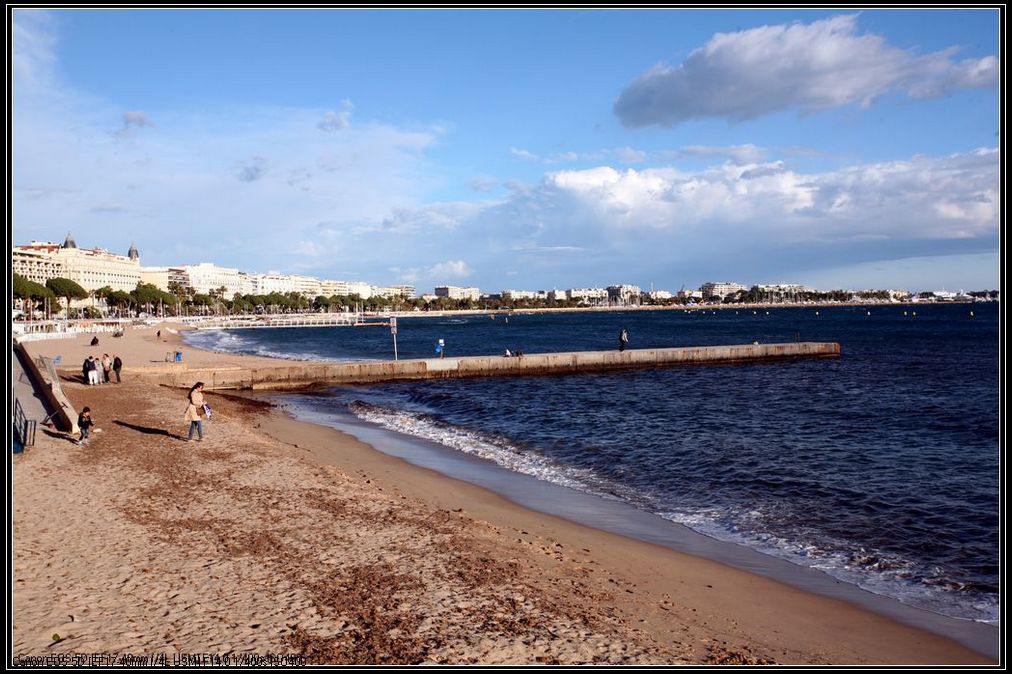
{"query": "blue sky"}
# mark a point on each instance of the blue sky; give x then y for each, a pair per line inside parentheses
(518, 149)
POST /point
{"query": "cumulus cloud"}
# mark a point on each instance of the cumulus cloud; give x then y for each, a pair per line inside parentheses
(451, 269)
(336, 121)
(825, 64)
(924, 197)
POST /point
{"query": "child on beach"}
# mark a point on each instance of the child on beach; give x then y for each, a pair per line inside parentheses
(84, 422)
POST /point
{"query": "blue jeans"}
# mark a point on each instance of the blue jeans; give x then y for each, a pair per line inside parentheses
(199, 427)
(84, 434)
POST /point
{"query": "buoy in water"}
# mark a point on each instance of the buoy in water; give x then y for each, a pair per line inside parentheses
(971, 314)
(816, 313)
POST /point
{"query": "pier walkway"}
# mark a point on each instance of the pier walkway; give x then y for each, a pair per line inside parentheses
(301, 375)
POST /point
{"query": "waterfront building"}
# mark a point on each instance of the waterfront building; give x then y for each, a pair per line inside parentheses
(557, 295)
(306, 285)
(156, 276)
(457, 293)
(406, 291)
(387, 292)
(690, 294)
(207, 277)
(517, 294)
(588, 295)
(659, 295)
(329, 288)
(623, 294)
(90, 268)
(783, 292)
(720, 289)
(37, 262)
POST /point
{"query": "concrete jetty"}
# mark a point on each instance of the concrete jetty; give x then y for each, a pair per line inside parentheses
(301, 375)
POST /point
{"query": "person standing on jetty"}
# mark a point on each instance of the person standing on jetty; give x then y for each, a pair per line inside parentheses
(623, 339)
(193, 411)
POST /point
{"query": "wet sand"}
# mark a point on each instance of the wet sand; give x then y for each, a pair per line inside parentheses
(277, 536)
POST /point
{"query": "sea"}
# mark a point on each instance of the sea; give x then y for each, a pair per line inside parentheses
(880, 468)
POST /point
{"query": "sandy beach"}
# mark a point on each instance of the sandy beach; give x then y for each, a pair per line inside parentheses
(273, 536)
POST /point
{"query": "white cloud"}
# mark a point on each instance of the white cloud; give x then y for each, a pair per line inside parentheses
(924, 197)
(825, 64)
(453, 269)
(523, 154)
(337, 121)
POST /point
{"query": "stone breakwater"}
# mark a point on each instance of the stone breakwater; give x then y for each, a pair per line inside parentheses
(301, 375)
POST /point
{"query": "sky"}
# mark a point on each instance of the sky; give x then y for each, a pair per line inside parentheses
(517, 149)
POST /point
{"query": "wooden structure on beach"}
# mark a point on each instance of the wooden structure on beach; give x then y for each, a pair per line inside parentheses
(296, 375)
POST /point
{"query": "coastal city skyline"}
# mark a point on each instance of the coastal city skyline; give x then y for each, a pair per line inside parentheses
(96, 268)
(457, 153)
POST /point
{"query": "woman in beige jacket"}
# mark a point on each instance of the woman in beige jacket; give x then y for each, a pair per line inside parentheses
(194, 410)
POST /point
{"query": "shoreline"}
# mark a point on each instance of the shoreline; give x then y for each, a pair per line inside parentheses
(750, 602)
(626, 522)
(669, 597)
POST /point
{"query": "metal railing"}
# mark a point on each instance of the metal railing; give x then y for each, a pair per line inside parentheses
(23, 426)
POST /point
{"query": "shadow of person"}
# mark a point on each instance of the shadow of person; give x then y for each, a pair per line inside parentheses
(147, 430)
(60, 435)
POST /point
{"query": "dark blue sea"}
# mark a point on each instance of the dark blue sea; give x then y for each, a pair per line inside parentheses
(880, 468)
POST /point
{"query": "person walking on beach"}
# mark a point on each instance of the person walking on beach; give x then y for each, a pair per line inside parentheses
(193, 411)
(106, 368)
(117, 365)
(84, 422)
(623, 339)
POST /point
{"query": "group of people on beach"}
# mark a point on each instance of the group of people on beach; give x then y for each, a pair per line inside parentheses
(99, 371)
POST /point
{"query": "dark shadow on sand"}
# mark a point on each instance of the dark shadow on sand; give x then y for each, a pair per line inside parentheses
(147, 430)
(59, 436)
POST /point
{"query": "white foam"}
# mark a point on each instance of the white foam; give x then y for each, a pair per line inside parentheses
(493, 448)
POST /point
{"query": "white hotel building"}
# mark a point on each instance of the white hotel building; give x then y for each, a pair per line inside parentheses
(588, 295)
(207, 277)
(720, 289)
(89, 268)
(457, 293)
